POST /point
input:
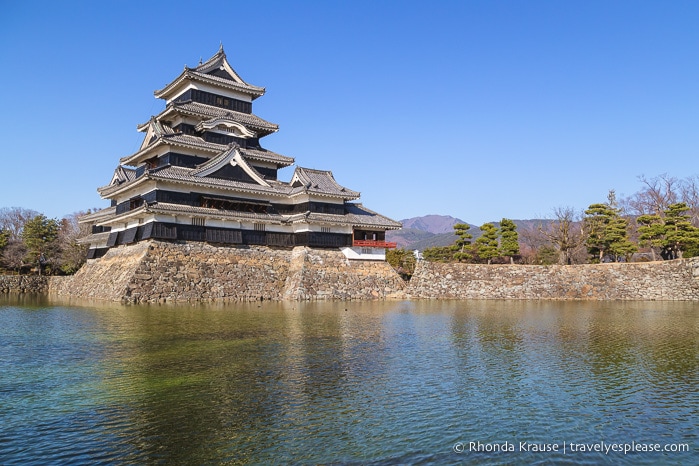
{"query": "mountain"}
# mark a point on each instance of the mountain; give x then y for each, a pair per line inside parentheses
(425, 232)
(438, 230)
(432, 223)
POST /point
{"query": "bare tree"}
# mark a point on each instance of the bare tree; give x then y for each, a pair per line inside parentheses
(72, 255)
(655, 196)
(689, 194)
(13, 219)
(565, 233)
(531, 241)
(13, 255)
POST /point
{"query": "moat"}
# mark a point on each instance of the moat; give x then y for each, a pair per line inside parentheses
(370, 382)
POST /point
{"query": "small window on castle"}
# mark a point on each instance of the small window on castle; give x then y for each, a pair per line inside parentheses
(259, 226)
(325, 229)
(198, 221)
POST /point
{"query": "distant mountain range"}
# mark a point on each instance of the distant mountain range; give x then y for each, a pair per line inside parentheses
(438, 230)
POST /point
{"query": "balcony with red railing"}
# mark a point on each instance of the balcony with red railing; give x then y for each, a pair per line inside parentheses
(369, 243)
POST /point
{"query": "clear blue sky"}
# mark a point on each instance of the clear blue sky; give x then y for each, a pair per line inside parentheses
(476, 109)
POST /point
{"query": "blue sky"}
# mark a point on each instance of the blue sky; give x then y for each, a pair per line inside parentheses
(476, 109)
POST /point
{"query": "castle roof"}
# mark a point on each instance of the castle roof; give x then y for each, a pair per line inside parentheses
(356, 215)
(216, 71)
(304, 181)
(309, 180)
(200, 110)
(197, 143)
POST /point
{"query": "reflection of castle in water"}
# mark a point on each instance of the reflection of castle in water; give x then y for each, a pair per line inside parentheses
(202, 175)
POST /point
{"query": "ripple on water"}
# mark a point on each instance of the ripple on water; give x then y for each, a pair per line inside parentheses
(381, 383)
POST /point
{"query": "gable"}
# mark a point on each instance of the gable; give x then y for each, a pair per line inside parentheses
(232, 173)
(221, 73)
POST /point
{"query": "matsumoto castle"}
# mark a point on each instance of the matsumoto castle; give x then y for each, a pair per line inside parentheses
(201, 174)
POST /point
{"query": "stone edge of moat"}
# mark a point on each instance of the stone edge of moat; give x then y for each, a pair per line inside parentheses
(157, 271)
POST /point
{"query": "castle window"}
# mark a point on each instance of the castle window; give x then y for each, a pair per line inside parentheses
(198, 221)
(325, 229)
(259, 226)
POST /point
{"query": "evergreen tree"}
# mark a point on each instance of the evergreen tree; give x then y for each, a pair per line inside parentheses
(4, 239)
(487, 243)
(402, 260)
(39, 236)
(463, 243)
(680, 234)
(439, 254)
(509, 239)
(671, 231)
(607, 231)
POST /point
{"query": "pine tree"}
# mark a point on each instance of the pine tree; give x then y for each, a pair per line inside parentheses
(463, 243)
(607, 231)
(509, 239)
(487, 243)
(671, 231)
(39, 236)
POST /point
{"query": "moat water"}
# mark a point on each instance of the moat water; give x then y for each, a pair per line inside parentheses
(378, 383)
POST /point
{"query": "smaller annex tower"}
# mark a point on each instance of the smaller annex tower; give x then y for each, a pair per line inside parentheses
(202, 175)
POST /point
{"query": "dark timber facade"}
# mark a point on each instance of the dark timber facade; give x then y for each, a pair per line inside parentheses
(202, 175)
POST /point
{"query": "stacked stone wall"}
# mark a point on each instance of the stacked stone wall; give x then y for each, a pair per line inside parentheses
(23, 284)
(105, 278)
(328, 274)
(199, 271)
(158, 271)
(662, 280)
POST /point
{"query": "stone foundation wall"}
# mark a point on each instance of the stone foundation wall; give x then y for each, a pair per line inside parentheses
(662, 280)
(23, 284)
(158, 271)
(105, 278)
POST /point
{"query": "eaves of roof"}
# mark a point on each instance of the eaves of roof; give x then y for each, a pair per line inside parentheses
(200, 110)
(180, 140)
(191, 74)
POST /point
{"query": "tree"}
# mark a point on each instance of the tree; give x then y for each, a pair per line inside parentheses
(564, 233)
(486, 245)
(655, 196)
(439, 254)
(4, 239)
(546, 255)
(606, 231)
(463, 243)
(13, 219)
(72, 254)
(680, 234)
(671, 231)
(402, 260)
(509, 239)
(13, 255)
(39, 236)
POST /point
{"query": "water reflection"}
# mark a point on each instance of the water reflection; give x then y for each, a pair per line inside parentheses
(354, 383)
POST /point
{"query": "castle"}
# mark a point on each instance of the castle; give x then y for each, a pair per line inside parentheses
(202, 175)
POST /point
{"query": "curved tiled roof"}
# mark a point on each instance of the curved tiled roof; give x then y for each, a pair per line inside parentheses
(265, 155)
(210, 111)
(201, 73)
(319, 182)
(356, 215)
(100, 214)
(167, 208)
(186, 175)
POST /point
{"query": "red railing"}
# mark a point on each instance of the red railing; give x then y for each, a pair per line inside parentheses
(368, 243)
